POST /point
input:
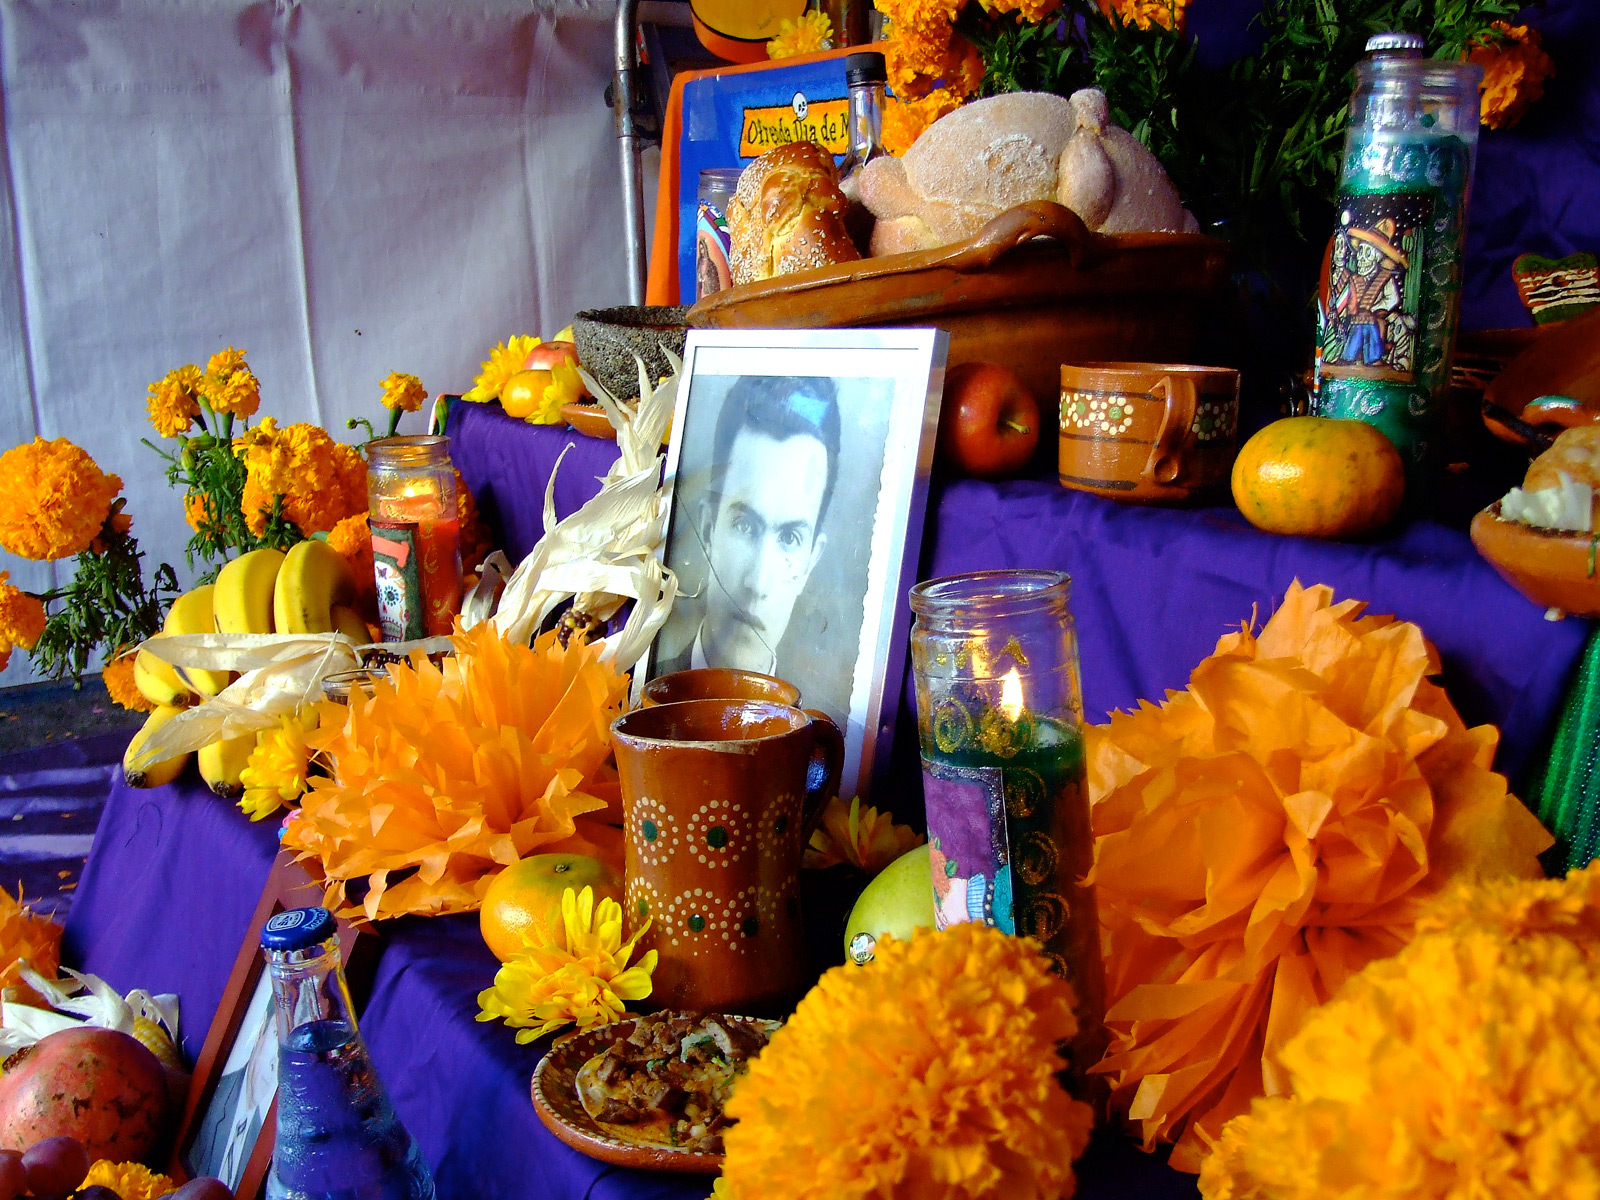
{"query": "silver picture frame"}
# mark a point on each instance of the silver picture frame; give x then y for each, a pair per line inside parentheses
(795, 534)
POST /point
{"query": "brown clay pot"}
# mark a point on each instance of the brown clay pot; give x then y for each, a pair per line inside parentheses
(717, 810)
(1552, 568)
(718, 683)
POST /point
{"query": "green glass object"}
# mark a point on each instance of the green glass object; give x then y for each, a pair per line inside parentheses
(1391, 291)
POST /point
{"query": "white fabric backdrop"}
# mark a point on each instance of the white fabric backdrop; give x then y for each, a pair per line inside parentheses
(343, 188)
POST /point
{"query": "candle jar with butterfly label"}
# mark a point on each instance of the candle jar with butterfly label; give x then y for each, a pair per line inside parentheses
(1000, 720)
(416, 536)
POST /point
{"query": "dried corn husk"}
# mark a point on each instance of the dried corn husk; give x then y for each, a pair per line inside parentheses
(88, 1000)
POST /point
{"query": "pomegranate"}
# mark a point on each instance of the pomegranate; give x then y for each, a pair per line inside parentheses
(96, 1085)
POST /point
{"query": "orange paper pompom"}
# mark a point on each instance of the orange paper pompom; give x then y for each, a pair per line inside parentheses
(1268, 832)
(451, 773)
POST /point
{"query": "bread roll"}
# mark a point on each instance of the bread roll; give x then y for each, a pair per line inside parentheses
(1575, 454)
(788, 214)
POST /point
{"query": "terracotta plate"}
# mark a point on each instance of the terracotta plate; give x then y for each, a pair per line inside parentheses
(1553, 569)
(589, 419)
(555, 1098)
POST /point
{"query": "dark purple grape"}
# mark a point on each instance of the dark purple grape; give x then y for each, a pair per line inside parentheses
(95, 1191)
(55, 1166)
(204, 1188)
(13, 1177)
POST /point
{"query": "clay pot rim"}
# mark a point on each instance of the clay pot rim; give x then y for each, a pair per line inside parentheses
(739, 673)
(723, 745)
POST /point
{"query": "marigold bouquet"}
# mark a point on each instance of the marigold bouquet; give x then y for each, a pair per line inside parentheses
(1463, 1066)
(1265, 834)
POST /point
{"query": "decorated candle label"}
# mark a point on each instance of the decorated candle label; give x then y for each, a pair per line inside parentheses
(968, 845)
(1376, 266)
(711, 250)
(397, 567)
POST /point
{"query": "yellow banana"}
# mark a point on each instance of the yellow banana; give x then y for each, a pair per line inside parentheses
(313, 579)
(158, 682)
(242, 601)
(191, 613)
(153, 774)
(349, 622)
(222, 762)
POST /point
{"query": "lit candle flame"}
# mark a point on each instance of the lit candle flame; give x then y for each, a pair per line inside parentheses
(1011, 695)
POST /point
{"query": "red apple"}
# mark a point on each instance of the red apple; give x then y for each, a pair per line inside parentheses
(989, 424)
(547, 354)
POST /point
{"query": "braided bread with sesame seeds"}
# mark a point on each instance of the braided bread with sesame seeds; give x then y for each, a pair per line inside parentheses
(788, 214)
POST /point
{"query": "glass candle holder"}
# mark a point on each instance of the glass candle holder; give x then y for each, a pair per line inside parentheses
(1000, 718)
(416, 536)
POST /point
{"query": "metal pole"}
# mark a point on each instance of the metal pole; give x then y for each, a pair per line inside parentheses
(631, 147)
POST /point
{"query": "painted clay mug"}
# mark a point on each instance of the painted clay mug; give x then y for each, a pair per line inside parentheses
(718, 683)
(716, 812)
(1147, 432)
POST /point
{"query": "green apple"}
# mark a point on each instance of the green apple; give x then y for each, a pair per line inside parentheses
(898, 902)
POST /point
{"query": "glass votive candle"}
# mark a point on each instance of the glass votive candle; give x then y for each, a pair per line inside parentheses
(416, 535)
(1000, 720)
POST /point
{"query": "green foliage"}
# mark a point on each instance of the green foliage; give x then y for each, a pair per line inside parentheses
(1257, 145)
(105, 604)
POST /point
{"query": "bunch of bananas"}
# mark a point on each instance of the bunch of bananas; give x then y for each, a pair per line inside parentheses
(308, 590)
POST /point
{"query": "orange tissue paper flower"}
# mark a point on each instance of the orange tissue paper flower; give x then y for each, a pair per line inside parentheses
(859, 835)
(1263, 835)
(928, 1074)
(1463, 1066)
(449, 773)
(1514, 72)
(53, 499)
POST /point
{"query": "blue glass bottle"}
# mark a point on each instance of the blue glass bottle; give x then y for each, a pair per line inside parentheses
(338, 1136)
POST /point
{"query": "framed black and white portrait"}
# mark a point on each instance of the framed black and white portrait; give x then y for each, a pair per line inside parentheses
(798, 471)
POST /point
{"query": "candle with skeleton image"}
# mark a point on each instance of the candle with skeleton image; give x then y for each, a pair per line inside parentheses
(1000, 716)
(416, 536)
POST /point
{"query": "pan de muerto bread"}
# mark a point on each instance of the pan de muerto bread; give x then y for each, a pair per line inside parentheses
(971, 165)
(787, 214)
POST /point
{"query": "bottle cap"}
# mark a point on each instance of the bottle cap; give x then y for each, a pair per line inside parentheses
(1396, 43)
(865, 66)
(297, 929)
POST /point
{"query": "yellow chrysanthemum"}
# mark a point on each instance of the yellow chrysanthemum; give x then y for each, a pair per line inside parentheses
(53, 499)
(904, 121)
(863, 837)
(22, 616)
(1168, 14)
(26, 939)
(504, 361)
(565, 387)
(811, 33)
(175, 401)
(118, 678)
(352, 538)
(585, 980)
(931, 1072)
(403, 392)
(1463, 1066)
(131, 1180)
(279, 766)
(1514, 71)
(229, 386)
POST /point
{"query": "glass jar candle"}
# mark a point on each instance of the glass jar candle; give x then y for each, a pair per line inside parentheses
(1000, 719)
(416, 536)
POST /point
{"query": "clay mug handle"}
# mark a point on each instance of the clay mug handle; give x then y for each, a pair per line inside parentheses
(1181, 396)
(822, 772)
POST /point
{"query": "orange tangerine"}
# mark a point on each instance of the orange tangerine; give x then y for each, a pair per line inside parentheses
(523, 902)
(523, 393)
(1319, 477)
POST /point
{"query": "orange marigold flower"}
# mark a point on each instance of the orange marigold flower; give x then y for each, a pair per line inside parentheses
(920, 33)
(197, 509)
(949, 1090)
(22, 616)
(1514, 71)
(175, 401)
(403, 392)
(1032, 11)
(305, 466)
(26, 939)
(351, 469)
(352, 538)
(118, 678)
(53, 499)
(477, 762)
(1264, 834)
(229, 385)
(1168, 14)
